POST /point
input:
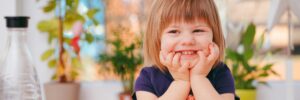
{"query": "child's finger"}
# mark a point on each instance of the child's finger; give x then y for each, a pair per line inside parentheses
(185, 67)
(201, 58)
(176, 60)
(201, 55)
(214, 52)
(194, 62)
(169, 59)
(162, 58)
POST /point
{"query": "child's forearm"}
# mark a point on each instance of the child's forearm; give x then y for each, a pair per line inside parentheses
(178, 90)
(203, 89)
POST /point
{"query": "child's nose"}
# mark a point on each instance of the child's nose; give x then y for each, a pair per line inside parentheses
(188, 39)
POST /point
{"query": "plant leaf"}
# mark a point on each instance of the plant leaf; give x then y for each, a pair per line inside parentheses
(235, 67)
(76, 63)
(50, 6)
(248, 36)
(52, 63)
(248, 54)
(54, 77)
(91, 12)
(89, 38)
(263, 74)
(267, 67)
(48, 25)
(95, 21)
(47, 54)
(69, 2)
(275, 73)
(74, 74)
(52, 36)
(260, 41)
(67, 40)
(231, 54)
(71, 17)
(76, 2)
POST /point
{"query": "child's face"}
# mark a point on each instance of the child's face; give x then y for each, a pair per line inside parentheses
(187, 39)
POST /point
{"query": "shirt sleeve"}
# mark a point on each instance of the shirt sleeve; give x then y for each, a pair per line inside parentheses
(224, 80)
(143, 83)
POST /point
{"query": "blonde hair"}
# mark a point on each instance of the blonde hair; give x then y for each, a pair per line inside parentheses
(164, 12)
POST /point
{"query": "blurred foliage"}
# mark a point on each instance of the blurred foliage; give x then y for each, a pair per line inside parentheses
(124, 59)
(243, 72)
(52, 27)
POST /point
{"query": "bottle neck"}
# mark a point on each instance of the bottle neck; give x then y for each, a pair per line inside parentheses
(17, 35)
(16, 49)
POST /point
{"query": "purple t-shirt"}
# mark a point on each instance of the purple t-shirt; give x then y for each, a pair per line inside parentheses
(152, 80)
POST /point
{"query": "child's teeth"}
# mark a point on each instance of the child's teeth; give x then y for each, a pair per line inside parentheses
(187, 52)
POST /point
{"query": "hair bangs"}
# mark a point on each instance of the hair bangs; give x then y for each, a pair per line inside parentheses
(184, 11)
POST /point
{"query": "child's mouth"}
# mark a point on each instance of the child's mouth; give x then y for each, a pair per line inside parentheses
(188, 54)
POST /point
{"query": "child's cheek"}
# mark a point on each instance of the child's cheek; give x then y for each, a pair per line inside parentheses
(205, 50)
(165, 48)
(164, 54)
(163, 51)
(204, 45)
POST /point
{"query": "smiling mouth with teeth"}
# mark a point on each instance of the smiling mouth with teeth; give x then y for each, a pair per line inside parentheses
(186, 52)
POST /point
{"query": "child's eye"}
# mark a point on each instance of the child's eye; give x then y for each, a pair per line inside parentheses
(198, 30)
(173, 31)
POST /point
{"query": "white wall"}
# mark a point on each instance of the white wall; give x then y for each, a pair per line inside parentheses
(8, 8)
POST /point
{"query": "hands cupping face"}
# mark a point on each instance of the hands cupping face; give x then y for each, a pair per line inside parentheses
(172, 62)
(199, 66)
(205, 62)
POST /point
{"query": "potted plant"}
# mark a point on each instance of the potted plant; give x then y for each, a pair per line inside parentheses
(64, 54)
(244, 72)
(124, 58)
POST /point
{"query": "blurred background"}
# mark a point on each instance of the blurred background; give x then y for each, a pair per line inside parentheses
(103, 55)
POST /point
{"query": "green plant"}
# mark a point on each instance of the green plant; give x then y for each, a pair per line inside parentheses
(64, 54)
(244, 72)
(124, 59)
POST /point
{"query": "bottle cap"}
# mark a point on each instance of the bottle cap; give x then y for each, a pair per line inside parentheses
(17, 21)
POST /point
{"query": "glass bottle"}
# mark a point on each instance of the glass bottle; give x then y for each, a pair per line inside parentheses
(18, 76)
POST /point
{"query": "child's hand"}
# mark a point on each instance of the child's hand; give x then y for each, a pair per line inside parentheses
(205, 63)
(172, 62)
